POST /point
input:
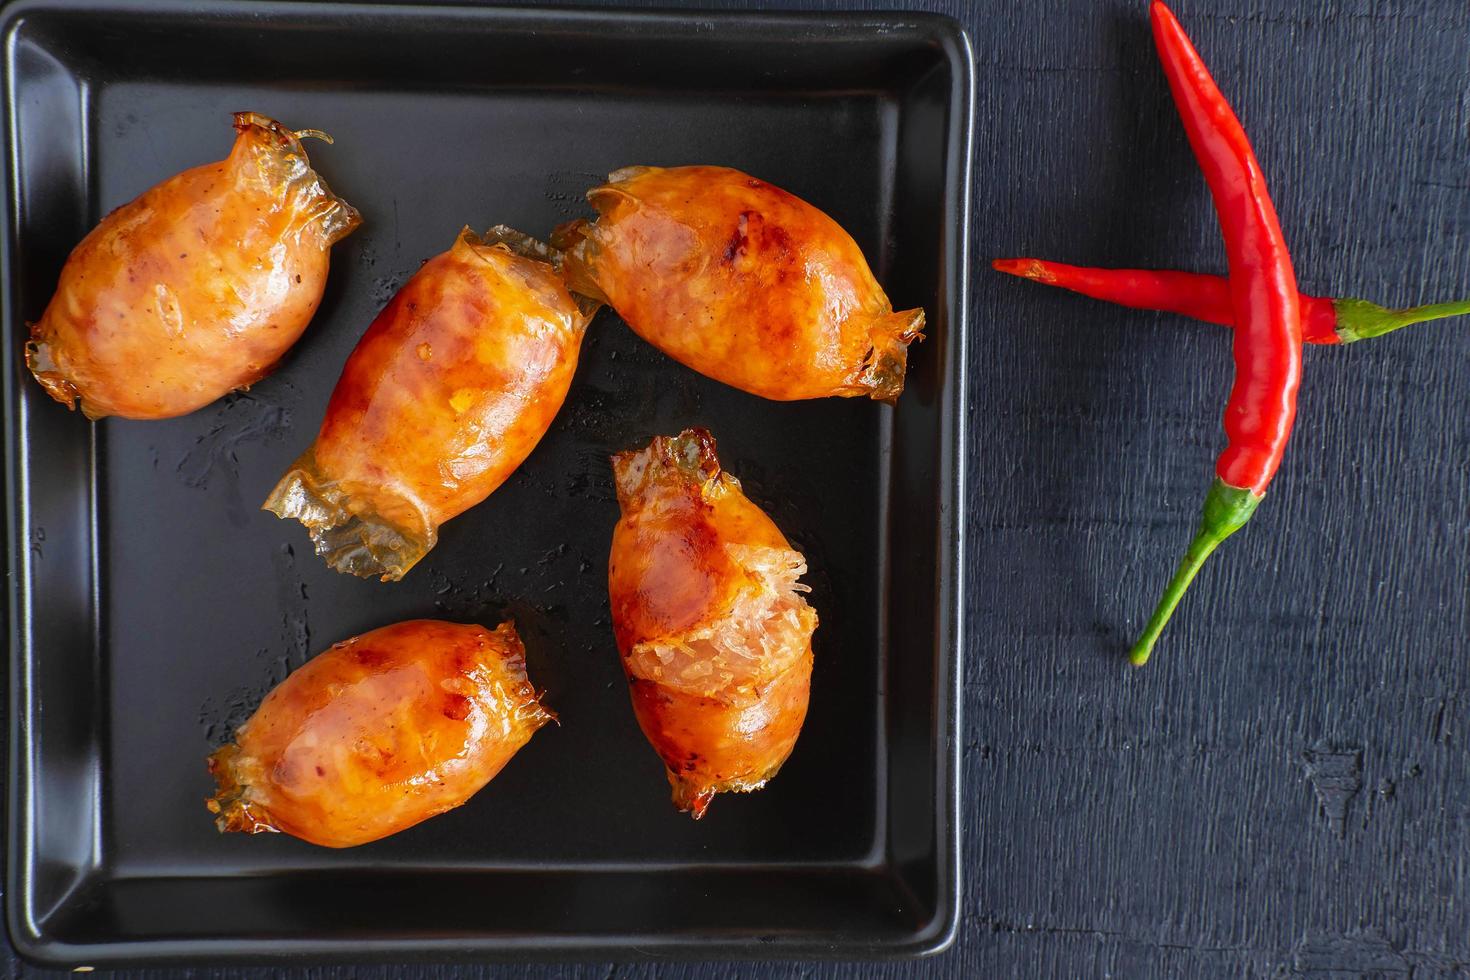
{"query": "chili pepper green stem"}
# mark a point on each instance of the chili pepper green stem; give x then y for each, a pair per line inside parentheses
(1358, 319)
(1226, 510)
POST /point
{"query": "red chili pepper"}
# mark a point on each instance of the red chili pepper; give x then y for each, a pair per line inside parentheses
(1206, 297)
(1263, 296)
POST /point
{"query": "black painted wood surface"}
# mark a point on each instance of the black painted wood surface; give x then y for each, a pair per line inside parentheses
(1285, 791)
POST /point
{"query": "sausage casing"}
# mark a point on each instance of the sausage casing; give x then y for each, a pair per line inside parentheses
(379, 733)
(742, 282)
(710, 621)
(448, 391)
(195, 288)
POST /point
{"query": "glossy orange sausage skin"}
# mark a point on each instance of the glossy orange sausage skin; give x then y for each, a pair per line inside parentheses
(713, 632)
(448, 391)
(742, 282)
(380, 732)
(195, 288)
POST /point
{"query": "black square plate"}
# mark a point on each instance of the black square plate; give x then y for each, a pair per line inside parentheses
(152, 604)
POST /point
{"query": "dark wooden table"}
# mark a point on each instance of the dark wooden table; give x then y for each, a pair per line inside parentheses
(1286, 790)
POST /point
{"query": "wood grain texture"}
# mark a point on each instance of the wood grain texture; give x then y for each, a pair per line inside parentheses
(1285, 790)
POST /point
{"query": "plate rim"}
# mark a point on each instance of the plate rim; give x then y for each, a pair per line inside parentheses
(936, 934)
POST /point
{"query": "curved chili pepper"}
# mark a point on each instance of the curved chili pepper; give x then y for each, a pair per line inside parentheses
(1263, 294)
(1205, 297)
